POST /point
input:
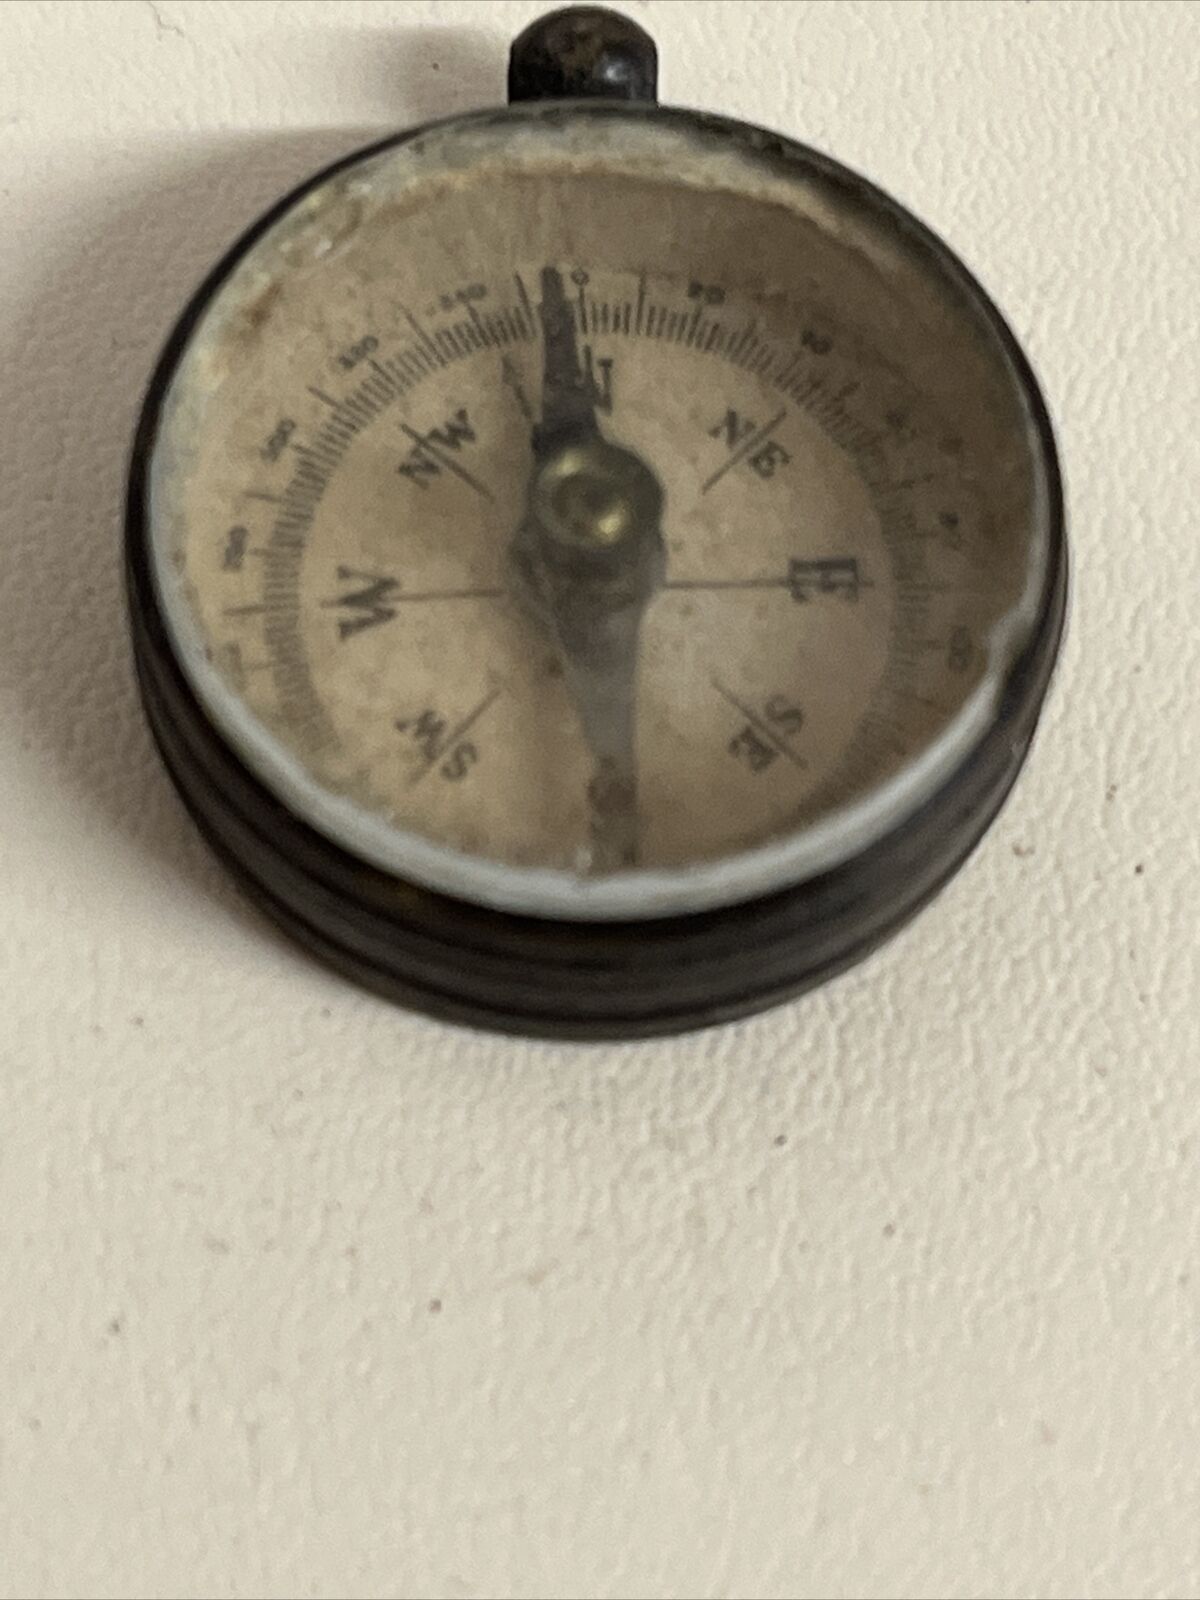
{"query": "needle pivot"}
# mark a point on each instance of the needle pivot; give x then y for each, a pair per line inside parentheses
(593, 497)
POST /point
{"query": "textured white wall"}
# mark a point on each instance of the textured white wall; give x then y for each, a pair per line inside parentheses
(892, 1292)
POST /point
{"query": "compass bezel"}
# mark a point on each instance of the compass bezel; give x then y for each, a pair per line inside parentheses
(557, 974)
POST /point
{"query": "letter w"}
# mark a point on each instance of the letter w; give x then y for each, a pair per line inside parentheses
(368, 602)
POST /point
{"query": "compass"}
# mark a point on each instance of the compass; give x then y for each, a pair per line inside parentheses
(594, 567)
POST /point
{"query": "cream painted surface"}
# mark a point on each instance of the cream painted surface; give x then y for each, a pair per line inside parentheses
(891, 1292)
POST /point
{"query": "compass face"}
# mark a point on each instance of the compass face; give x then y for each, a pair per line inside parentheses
(590, 519)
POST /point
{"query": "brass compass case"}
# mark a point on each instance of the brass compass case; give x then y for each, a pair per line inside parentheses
(594, 568)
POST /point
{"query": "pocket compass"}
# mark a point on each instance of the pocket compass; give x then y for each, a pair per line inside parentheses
(594, 567)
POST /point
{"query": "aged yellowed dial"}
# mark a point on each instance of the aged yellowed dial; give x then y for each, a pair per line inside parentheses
(593, 525)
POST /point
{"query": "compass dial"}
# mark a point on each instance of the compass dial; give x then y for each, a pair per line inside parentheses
(591, 520)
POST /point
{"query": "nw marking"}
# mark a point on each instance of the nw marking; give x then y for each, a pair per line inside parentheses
(435, 450)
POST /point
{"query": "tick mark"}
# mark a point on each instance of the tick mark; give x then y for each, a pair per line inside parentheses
(512, 378)
(449, 594)
(727, 583)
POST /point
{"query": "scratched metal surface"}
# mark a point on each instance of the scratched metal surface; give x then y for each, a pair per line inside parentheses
(894, 1291)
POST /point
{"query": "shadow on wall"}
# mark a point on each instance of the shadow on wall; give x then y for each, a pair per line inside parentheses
(111, 269)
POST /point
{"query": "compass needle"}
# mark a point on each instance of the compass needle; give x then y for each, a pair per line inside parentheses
(595, 568)
(589, 554)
